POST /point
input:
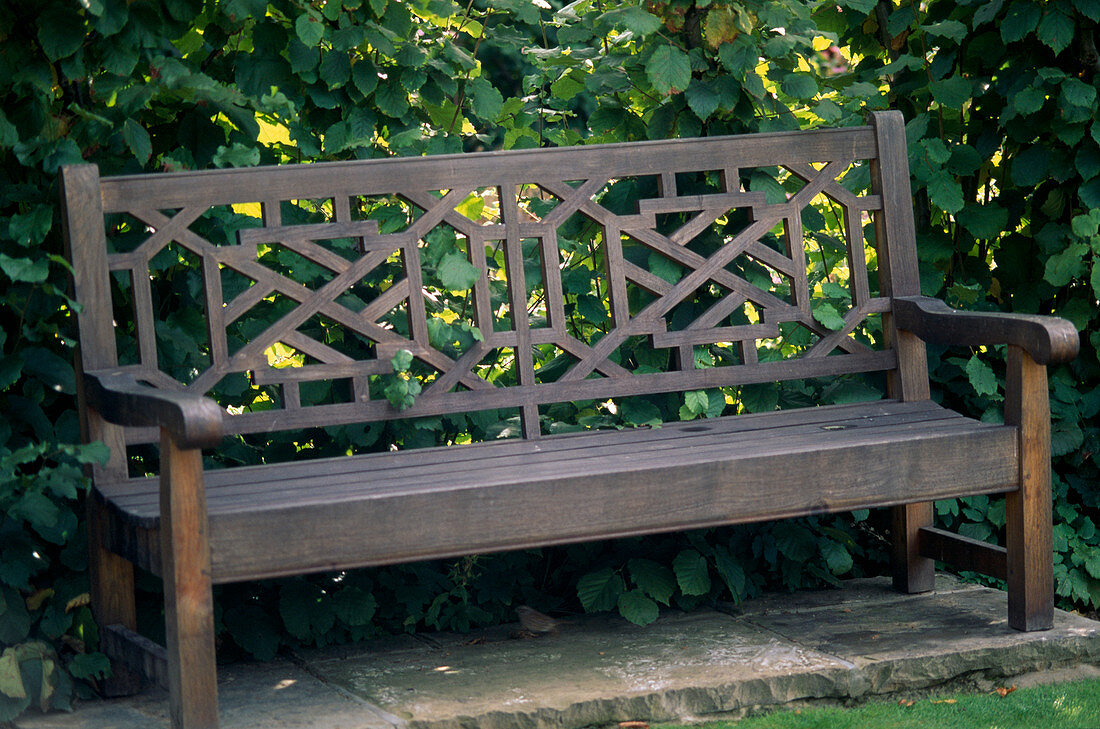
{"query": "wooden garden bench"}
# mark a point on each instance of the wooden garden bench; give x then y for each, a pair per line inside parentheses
(695, 205)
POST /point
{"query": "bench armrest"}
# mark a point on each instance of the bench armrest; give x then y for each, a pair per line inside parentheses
(194, 421)
(1047, 339)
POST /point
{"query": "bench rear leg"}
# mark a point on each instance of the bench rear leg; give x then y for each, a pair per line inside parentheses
(912, 572)
(112, 593)
(188, 597)
(1028, 529)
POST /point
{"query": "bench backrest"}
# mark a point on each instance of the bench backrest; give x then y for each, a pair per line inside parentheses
(666, 248)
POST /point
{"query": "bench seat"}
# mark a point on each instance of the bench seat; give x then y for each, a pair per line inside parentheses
(446, 501)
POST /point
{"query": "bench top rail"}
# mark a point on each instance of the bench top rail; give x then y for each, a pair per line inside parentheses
(323, 273)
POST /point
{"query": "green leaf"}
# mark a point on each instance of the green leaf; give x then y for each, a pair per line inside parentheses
(985, 222)
(304, 610)
(11, 678)
(664, 267)
(702, 98)
(60, 31)
(254, 630)
(827, 315)
(90, 665)
(1087, 161)
(402, 360)
(836, 555)
(137, 139)
(669, 70)
(25, 269)
(599, 591)
(731, 572)
(1029, 101)
(364, 76)
(237, 155)
(1029, 167)
(1078, 93)
(335, 69)
(691, 572)
(799, 85)
(1056, 30)
(1086, 226)
(953, 92)
(987, 12)
(15, 621)
(981, 376)
(309, 30)
(945, 192)
(1088, 8)
(653, 578)
(952, 29)
(485, 101)
(739, 57)
(1065, 266)
(36, 509)
(696, 401)
(354, 606)
(763, 398)
(847, 392)
(456, 273)
(9, 135)
(1022, 18)
(634, 18)
(391, 98)
(1089, 194)
(862, 7)
(30, 229)
(637, 608)
(640, 412)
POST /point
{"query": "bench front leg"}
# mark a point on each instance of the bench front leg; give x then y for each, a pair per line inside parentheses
(188, 597)
(1028, 531)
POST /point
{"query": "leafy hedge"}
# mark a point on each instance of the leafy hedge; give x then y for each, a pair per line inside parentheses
(1001, 99)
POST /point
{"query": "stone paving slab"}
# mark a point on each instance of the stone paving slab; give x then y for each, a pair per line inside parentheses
(845, 645)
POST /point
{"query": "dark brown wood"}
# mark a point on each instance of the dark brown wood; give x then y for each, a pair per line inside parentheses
(1046, 339)
(720, 479)
(140, 655)
(194, 421)
(188, 599)
(195, 528)
(111, 576)
(1028, 514)
(372, 177)
(963, 552)
(895, 238)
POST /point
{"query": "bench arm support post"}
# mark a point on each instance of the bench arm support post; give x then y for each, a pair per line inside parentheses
(1046, 339)
(193, 420)
(188, 592)
(1028, 526)
(1033, 343)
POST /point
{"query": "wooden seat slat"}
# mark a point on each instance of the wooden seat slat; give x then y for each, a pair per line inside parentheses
(556, 505)
(364, 474)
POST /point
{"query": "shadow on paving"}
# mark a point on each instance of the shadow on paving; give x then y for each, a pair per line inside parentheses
(854, 643)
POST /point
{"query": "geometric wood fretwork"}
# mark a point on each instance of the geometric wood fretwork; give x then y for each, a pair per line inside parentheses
(384, 318)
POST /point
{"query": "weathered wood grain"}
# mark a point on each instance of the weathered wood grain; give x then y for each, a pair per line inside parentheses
(963, 552)
(1028, 509)
(188, 596)
(895, 238)
(194, 421)
(1046, 339)
(194, 528)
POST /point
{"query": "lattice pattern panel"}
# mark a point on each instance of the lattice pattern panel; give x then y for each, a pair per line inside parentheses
(610, 284)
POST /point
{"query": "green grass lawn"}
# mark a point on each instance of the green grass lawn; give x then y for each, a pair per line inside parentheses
(1061, 706)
